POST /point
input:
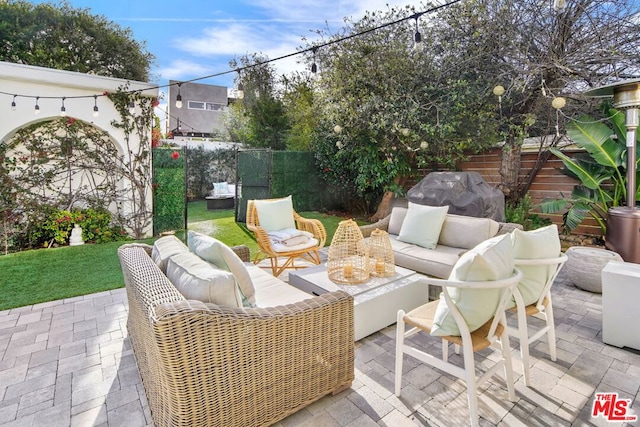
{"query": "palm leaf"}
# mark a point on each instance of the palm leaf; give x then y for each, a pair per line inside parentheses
(595, 138)
(582, 171)
(553, 205)
(574, 217)
(617, 119)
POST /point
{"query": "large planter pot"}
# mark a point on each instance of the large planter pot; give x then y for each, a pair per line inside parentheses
(585, 264)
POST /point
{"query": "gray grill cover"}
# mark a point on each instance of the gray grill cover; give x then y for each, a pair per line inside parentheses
(466, 193)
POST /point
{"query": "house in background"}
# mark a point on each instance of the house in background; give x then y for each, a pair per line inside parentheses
(203, 109)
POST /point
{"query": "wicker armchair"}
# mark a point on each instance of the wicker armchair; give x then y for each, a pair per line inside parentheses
(208, 365)
(267, 249)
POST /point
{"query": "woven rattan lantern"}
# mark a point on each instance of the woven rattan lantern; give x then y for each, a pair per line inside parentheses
(348, 262)
(381, 261)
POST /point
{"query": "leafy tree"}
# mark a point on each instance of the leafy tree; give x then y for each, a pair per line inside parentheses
(537, 53)
(65, 38)
(387, 110)
(266, 123)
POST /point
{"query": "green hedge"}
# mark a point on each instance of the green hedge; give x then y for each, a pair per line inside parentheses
(169, 193)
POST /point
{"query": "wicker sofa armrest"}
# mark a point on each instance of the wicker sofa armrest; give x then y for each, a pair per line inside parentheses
(243, 252)
(383, 225)
(313, 226)
(225, 366)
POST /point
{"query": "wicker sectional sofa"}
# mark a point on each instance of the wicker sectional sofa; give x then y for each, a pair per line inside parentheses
(214, 365)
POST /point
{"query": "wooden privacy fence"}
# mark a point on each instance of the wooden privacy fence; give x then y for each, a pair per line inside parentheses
(549, 183)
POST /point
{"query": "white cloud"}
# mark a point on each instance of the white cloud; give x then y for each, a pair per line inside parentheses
(180, 69)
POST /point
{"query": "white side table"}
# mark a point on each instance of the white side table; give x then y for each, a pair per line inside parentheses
(585, 264)
(620, 296)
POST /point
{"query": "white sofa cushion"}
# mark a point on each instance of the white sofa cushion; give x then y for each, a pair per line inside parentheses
(466, 231)
(490, 260)
(271, 291)
(395, 221)
(164, 248)
(436, 262)
(422, 225)
(535, 244)
(215, 252)
(276, 214)
(197, 279)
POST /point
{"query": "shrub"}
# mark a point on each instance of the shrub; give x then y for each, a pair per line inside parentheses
(96, 227)
(520, 213)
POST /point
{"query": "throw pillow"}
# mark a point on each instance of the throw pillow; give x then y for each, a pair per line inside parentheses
(422, 225)
(490, 260)
(535, 244)
(197, 279)
(276, 214)
(164, 248)
(215, 252)
(220, 188)
(466, 231)
(397, 218)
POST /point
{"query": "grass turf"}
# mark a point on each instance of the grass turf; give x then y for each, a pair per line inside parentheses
(42, 275)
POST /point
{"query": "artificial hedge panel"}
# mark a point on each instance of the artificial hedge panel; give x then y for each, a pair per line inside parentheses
(168, 190)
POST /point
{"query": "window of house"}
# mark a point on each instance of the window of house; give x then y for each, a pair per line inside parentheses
(209, 106)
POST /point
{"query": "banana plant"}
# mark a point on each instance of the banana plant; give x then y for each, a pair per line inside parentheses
(601, 170)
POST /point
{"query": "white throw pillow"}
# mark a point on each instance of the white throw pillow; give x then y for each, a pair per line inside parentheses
(490, 260)
(422, 225)
(276, 214)
(164, 248)
(215, 252)
(220, 188)
(535, 244)
(397, 218)
(466, 231)
(197, 279)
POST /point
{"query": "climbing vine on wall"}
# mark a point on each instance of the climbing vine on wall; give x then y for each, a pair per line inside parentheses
(67, 163)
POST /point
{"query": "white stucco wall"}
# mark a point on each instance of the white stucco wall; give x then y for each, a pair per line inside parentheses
(51, 85)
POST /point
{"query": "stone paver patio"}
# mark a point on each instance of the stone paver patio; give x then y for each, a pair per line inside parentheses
(70, 362)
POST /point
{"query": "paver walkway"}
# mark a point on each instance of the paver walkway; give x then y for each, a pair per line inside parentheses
(70, 362)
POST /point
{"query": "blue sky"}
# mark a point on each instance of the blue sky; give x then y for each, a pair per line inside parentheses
(194, 38)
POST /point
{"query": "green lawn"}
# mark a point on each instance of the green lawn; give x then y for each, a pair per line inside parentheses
(42, 275)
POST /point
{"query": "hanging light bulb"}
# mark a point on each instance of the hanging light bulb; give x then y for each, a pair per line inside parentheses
(240, 85)
(63, 111)
(417, 37)
(95, 106)
(179, 97)
(314, 67)
(132, 107)
(13, 103)
(37, 107)
(559, 5)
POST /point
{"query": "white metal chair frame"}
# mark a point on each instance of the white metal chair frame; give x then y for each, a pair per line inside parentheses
(541, 309)
(499, 341)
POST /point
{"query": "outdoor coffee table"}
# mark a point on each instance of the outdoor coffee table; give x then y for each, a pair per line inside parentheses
(376, 302)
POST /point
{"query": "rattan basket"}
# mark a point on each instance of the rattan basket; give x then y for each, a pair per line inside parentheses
(381, 261)
(348, 261)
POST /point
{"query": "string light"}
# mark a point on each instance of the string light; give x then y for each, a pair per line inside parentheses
(179, 97)
(240, 85)
(13, 103)
(132, 107)
(314, 67)
(417, 37)
(63, 111)
(95, 106)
